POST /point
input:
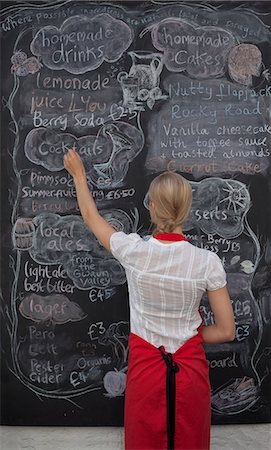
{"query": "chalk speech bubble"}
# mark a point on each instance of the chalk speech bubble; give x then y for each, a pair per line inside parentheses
(56, 237)
(106, 156)
(219, 206)
(66, 240)
(57, 308)
(81, 44)
(47, 148)
(200, 51)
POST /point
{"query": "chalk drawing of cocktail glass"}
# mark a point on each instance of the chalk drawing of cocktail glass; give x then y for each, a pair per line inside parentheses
(120, 142)
(146, 68)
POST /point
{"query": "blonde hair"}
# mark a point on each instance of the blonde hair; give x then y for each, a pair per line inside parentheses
(172, 196)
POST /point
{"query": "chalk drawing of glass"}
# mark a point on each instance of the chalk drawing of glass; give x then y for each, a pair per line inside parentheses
(146, 68)
(129, 89)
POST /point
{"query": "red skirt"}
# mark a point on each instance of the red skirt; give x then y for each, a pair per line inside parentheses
(148, 419)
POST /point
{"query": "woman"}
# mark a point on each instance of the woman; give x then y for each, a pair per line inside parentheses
(167, 400)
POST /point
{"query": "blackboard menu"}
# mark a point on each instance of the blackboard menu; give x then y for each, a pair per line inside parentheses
(137, 88)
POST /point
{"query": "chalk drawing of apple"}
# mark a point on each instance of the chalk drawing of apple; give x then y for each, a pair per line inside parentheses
(114, 383)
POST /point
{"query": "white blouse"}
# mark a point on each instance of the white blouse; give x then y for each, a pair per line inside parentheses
(166, 283)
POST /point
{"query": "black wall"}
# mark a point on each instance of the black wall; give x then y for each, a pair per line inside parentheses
(137, 88)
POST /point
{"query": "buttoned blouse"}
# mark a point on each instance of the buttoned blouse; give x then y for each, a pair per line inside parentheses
(166, 283)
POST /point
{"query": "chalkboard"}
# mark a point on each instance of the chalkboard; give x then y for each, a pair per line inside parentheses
(138, 88)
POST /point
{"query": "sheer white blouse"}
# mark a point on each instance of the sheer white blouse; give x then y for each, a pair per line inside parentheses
(166, 283)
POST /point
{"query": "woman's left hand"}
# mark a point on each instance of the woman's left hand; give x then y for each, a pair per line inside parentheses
(73, 164)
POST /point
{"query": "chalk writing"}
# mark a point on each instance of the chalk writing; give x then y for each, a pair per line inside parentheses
(82, 43)
(198, 133)
(56, 308)
(106, 156)
(202, 52)
(136, 91)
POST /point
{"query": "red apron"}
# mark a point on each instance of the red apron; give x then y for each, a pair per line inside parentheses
(167, 399)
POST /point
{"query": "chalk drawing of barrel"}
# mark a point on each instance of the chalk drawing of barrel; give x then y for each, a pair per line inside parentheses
(22, 234)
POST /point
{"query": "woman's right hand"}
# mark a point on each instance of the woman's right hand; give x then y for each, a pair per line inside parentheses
(73, 164)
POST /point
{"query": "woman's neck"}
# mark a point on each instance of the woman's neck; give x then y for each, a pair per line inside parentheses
(163, 240)
(177, 230)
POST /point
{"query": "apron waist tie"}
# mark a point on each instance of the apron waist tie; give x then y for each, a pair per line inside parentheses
(172, 369)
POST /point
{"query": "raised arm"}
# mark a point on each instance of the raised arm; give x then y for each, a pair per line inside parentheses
(96, 223)
(224, 328)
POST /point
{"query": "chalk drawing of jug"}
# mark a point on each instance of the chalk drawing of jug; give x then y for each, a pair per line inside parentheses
(146, 68)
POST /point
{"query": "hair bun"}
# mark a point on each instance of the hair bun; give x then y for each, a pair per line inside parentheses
(168, 225)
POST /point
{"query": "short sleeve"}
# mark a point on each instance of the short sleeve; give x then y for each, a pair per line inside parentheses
(216, 275)
(122, 246)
